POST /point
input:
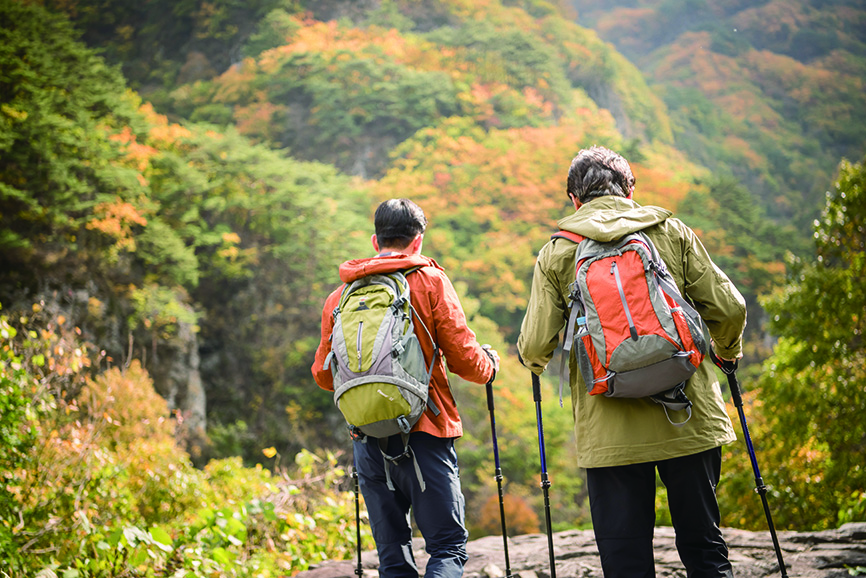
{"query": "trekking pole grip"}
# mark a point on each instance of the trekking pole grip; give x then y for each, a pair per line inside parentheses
(489, 387)
(729, 368)
(734, 387)
(536, 387)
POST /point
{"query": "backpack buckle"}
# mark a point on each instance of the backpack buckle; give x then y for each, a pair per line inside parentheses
(407, 453)
(404, 424)
(356, 434)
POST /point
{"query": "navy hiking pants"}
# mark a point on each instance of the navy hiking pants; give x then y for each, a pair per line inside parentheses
(622, 501)
(439, 511)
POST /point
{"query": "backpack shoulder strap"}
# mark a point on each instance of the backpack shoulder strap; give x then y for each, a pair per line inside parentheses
(430, 404)
(573, 237)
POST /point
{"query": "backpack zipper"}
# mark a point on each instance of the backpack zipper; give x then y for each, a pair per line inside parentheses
(358, 344)
(614, 270)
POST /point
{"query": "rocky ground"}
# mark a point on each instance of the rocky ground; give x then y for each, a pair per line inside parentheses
(828, 554)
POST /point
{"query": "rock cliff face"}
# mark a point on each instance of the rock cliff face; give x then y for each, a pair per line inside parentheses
(828, 554)
(177, 377)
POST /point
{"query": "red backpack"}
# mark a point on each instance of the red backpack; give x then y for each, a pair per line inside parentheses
(636, 335)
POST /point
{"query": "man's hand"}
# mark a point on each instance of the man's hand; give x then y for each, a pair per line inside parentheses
(494, 357)
(728, 366)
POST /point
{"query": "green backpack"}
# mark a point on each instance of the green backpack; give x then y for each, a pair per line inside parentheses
(381, 379)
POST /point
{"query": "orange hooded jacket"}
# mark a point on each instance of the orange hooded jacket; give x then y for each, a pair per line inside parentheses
(438, 306)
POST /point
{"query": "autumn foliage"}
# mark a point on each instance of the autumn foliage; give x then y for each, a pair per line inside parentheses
(197, 224)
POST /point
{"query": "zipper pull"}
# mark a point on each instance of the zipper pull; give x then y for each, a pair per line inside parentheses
(358, 344)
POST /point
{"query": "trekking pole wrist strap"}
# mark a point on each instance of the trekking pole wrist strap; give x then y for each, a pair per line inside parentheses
(486, 349)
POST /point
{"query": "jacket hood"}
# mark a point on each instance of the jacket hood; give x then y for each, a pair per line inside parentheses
(609, 218)
(357, 268)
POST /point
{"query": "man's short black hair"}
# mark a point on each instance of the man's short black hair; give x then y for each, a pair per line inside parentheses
(597, 172)
(398, 222)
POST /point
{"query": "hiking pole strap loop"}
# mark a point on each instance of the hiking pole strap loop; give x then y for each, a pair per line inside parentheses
(678, 423)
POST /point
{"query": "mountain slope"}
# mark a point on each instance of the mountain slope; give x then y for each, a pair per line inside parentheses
(771, 90)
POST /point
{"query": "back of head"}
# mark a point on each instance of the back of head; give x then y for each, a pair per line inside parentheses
(398, 222)
(598, 172)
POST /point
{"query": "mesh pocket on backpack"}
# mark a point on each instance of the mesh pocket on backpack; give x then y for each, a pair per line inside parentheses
(584, 363)
(411, 359)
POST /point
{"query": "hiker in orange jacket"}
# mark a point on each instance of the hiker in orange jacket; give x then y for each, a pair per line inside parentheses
(439, 510)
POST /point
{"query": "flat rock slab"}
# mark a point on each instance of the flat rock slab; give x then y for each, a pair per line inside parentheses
(826, 554)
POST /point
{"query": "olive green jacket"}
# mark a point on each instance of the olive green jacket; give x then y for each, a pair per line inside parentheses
(613, 432)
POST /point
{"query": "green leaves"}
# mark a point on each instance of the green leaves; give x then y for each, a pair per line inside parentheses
(57, 100)
(824, 303)
(813, 387)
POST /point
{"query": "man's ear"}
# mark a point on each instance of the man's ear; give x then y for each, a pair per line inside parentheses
(416, 245)
(375, 241)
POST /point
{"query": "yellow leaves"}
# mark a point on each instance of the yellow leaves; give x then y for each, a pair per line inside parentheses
(232, 238)
(19, 115)
(270, 452)
(128, 402)
(230, 251)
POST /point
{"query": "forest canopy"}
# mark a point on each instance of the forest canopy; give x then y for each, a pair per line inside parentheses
(180, 181)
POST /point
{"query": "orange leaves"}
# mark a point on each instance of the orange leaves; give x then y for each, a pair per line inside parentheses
(137, 154)
(236, 81)
(116, 220)
(520, 517)
(657, 186)
(503, 177)
(162, 133)
(330, 38)
(258, 119)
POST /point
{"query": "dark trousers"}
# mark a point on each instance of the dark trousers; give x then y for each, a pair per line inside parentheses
(622, 501)
(439, 510)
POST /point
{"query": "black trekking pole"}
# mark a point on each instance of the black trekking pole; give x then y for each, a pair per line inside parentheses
(545, 482)
(498, 474)
(359, 570)
(730, 370)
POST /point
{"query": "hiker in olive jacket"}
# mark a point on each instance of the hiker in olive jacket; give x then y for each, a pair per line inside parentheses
(439, 509)
(621, 441)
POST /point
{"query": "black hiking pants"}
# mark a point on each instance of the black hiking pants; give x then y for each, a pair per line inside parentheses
(622, 501)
